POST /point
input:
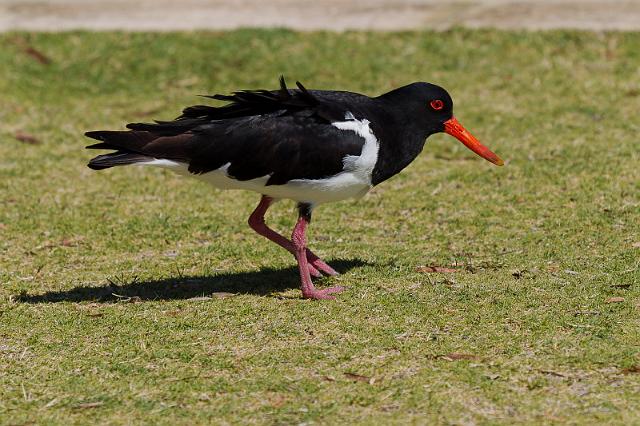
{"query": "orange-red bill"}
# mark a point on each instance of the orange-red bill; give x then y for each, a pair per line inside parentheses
(457, 130)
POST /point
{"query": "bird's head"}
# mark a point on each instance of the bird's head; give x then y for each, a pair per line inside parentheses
(431, 108)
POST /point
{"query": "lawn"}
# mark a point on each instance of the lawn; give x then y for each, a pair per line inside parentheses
(137, 296)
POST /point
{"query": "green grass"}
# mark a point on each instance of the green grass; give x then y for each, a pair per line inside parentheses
(542, 243)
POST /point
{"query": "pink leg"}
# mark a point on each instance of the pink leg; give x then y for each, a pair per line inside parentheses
(300, 251)
(256, 222)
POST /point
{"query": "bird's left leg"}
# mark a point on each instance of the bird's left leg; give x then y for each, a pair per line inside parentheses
(257, 223)
(299, 240)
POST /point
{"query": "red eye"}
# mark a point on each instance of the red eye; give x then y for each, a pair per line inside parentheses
(437, 104)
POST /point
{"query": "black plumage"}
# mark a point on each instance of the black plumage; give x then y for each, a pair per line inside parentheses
(286, 134)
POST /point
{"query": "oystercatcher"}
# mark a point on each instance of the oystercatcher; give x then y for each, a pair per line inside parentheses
(310, 146)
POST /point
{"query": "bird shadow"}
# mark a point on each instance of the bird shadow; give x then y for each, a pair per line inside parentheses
(262, 282)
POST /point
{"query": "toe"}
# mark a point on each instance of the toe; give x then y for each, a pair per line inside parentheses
(330, 290)
(324, 294)
(322, 266)
(314, 272)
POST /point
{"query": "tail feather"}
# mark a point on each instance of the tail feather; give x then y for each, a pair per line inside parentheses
(162, 128)
(120, 139)
(135, 146)
(101, 145)
(118, 158)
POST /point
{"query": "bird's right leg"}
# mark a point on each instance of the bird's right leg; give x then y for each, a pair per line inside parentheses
(299, 240)
(257, 223)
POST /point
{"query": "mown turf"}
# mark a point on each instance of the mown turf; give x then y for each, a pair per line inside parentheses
(102, 314)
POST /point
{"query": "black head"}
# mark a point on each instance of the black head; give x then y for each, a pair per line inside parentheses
(428, 109)
(424, 104)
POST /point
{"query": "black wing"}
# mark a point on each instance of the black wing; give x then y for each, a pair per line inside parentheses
(284, 134)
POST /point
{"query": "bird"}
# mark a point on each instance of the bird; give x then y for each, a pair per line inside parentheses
(309, 146)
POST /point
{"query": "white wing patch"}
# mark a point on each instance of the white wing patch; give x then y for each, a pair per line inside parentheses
(366, 161)
(353, 181)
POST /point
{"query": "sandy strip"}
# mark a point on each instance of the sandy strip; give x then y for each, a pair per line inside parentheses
(167, 15)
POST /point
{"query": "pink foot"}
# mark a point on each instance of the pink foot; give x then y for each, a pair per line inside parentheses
(324, 294)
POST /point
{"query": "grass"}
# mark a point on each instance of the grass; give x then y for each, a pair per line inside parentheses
(102, 314)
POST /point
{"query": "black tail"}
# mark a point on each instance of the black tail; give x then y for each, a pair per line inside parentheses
(124, 142)
(139, 146)
(118, 158)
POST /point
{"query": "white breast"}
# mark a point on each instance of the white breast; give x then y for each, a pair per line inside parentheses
(353, 181)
